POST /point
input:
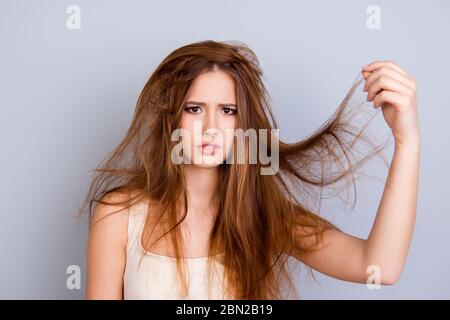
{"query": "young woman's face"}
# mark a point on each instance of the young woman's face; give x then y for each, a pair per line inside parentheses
(210, 117)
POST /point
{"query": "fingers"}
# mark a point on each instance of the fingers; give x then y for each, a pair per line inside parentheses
(383, 76)
(377, 64)
(390, 97)
(391, 72)
(386, 82)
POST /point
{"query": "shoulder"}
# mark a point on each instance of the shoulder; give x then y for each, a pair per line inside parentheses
(110, 217)
(106, 256)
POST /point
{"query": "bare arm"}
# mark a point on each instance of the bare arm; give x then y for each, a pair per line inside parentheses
(388, 242)
(106, 252)
(347, 257)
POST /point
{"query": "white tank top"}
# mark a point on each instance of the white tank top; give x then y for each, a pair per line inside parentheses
(157, 275)
(156, 278)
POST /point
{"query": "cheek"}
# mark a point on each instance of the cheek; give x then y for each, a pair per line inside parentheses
(184, 123)
(229, 138)
(228, 124)
(232, 122)
(228, 131)
(188, 133)
(187, 125)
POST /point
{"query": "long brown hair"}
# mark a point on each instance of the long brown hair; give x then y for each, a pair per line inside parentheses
(261, 219)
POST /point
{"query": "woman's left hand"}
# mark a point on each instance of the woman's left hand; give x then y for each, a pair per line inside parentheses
(390, 87)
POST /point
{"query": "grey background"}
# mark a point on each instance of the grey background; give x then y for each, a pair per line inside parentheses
(67, 97)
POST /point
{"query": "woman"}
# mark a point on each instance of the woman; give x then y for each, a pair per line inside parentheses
(171, 204)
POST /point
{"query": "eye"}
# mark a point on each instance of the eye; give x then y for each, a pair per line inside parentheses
(229, 111)
(193, 109)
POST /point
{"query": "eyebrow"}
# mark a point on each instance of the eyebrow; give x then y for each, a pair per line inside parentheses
(204, 104)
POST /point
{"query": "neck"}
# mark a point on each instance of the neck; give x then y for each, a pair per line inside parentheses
(202, 184)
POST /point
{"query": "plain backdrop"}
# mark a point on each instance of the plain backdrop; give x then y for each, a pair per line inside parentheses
(67, 97)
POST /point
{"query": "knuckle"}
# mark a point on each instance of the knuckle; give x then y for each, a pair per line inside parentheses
(391, 62)
(382, 79)
(413, 83)
(406, 100)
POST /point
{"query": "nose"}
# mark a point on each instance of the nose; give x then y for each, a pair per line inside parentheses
(210, 123)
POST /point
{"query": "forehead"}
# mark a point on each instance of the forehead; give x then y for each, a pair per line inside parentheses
(213, 86)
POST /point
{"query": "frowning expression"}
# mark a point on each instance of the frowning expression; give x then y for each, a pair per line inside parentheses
(210, 117)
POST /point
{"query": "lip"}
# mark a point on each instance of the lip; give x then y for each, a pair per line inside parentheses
(208, 148)
(214, 145)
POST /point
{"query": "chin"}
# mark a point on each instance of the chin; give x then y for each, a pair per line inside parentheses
(206, 166)
(208, 162)
(204, 161)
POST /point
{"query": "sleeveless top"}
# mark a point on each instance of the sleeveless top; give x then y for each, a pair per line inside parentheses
(156, 278)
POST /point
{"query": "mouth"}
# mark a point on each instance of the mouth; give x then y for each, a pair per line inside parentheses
(208, 148)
